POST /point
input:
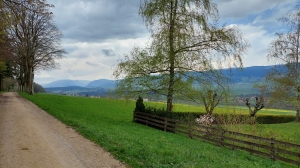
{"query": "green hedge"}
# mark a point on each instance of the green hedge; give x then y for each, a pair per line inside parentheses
(275, 119)
(183, 116)
(221, 118)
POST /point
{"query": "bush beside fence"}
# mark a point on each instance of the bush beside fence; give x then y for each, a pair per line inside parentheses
(276, 150)
(191, 116)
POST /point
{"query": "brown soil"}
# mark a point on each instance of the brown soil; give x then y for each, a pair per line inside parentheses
(29, 137)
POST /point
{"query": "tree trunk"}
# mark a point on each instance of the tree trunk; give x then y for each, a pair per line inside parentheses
(298, 108)
(26, 84)
(173, 9)
(170, 92)
(30, 81)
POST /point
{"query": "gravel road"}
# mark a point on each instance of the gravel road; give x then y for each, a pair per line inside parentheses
(31, 138)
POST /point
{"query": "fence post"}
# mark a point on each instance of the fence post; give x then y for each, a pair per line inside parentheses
(147, 120)
(222, 137)
(299, 159)
(165, 126)
(190, 130)
(272, 151)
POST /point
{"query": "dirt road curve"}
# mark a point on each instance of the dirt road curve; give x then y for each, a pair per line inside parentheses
(30, 138)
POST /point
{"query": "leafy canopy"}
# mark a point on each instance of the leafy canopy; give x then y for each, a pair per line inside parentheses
(186, 47)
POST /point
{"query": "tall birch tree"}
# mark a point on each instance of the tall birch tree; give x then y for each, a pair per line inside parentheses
(186, 47)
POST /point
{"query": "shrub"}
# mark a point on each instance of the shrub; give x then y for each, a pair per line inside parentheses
(183, 116)
(139, 105)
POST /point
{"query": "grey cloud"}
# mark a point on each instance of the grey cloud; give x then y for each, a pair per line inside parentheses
(69, 71)
(94, 21)
(108, 52)
(241, 9)
(92, 64)
(70, 49)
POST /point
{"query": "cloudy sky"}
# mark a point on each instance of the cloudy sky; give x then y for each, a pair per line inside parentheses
(98, 33)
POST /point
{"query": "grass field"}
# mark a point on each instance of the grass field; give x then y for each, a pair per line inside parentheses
(221, 109)
(108, 122)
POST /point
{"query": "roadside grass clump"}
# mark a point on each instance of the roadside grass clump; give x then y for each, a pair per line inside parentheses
(108, 122)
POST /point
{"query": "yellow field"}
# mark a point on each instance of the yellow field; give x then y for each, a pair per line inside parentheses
(220, 109)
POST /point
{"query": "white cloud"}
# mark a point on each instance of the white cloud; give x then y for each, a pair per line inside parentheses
(87, 61)
(259, 39)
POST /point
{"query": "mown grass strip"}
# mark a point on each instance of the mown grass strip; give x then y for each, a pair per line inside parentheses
(109, 123)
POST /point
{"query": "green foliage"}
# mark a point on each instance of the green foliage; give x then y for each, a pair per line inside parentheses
(185, 47)
(183, 116)
(139, 105)
(33, 39)
(38, 88)
(9, 83)
(272, 119)
(3, 67)
(108, 123)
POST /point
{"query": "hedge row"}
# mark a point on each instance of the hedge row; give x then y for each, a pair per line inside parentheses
(221, 118)
(269, 119)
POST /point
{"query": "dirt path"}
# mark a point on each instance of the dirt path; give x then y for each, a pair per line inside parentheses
(29, 137)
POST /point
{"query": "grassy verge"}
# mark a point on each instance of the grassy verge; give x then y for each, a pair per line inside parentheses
(109, 123)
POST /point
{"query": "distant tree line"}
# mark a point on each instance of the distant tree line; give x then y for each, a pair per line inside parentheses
(38, 88)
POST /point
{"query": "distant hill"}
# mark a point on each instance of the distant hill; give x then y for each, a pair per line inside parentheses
(243, 81)
(256, 72)
(78, 90)
(99, 87)
(102, 83)
(65, 83)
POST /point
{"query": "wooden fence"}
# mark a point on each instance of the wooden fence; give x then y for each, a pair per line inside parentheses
(276, 150)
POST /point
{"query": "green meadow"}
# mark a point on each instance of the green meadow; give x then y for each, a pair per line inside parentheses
(108, 122)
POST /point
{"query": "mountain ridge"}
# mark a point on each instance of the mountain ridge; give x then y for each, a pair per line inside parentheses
(66, 83)
(253, 71)
(243, 80)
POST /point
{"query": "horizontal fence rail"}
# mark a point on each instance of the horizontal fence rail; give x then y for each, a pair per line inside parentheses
(269, 147)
